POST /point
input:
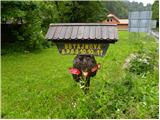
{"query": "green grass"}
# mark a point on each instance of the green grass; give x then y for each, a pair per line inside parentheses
(38, 85)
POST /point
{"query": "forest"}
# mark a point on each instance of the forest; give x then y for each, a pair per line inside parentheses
(29, 20)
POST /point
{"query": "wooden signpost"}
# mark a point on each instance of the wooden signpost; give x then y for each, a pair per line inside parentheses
(85, 40)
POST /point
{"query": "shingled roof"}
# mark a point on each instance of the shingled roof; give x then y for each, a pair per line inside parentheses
(82, 32)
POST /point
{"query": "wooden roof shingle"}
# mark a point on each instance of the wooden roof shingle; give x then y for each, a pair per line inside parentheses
(82, 31)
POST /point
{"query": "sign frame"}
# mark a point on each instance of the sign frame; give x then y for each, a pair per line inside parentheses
(82, 48)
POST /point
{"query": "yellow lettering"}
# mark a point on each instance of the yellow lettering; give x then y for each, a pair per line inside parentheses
(67, 51)
(94, 51)
(86, 46)
(66, 46)
(72, 51)
(88, 51)
(98, 52)
(82, 46)
(99, 46)
(63, 51)
(74, 46)
(78, 46)
(76, 51)
(84, 51)
(101, 52)
(95, 46)
(91, 51)
(81, 51)
(91, 46)
(70, 46)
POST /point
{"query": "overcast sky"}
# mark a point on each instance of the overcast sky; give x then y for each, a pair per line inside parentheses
(144, 1)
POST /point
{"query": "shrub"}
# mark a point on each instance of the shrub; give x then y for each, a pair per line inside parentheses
(30, 16)
(139, 63)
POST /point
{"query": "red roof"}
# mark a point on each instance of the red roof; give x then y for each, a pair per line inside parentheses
(121, 21)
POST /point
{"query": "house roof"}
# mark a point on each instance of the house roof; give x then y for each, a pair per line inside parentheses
(121, 21)
(82, 32)
(111, 15)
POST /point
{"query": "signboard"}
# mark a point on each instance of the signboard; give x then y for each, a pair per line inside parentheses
(140, 21)
(97, 49)
(82, 38)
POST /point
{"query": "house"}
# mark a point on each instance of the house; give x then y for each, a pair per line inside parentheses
(121, 23)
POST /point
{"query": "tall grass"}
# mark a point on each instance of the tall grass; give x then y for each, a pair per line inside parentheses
(38, 85)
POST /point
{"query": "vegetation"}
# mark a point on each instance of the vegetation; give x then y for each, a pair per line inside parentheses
(27, 14)
(155, 10)
(38, 85)
(135, 6)
(34, 17)
(81, 11)
(118, 8)
(122, 8)
(140, 64)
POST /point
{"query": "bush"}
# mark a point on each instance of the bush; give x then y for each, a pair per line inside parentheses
(30, 17)
(139, 63)
(131, 97)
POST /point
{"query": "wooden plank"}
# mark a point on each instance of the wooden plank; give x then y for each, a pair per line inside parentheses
(81, 24)
(104, 32)
(50, 32)
(111, 32)
(107, 32)
(92, 32)
(68, 32)
(80, 32)
(86, 32)
(57, 33)
(74, 32)
(98, 32)
(63, 32)
(116, 33)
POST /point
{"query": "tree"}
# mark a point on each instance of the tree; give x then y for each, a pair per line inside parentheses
(119, 8)
(25, 13)
(155, 11)
(48, 13)
(80, 11)
(35, 17)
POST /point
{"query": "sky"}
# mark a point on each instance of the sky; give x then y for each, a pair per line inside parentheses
(144, 1)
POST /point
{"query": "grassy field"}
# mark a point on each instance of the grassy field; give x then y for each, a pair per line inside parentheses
(38, 85)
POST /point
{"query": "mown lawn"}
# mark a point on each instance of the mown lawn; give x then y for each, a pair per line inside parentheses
(38, 85)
